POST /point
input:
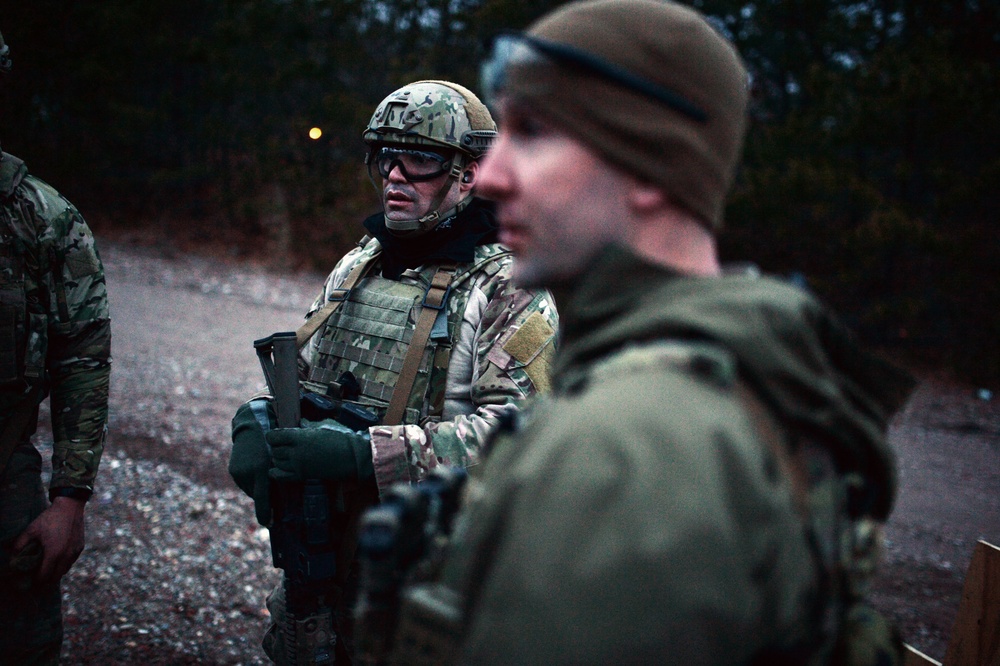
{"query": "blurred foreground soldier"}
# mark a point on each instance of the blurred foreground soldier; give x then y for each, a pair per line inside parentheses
(419, 325)
(706, 480)
(56, 340)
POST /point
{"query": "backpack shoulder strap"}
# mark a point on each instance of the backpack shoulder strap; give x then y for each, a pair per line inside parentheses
(854, 633)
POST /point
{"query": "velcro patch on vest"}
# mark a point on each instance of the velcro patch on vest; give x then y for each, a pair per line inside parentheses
(525, 346)
(529, 340)
(491, 268)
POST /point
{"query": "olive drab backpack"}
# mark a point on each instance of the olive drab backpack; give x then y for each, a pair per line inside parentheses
(845, 543)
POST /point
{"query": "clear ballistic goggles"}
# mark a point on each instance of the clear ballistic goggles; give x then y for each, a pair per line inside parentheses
(515, 49)
(415, 165)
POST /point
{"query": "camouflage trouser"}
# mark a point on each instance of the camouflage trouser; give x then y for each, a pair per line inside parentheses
(31, 626)
(274, 638)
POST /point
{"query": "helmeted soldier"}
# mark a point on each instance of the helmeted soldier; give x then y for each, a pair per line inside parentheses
(56, 341)
(418, 324)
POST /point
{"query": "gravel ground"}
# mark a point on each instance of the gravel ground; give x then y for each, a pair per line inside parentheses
(176, 568)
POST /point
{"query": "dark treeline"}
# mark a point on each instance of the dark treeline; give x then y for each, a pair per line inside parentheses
(871, 169)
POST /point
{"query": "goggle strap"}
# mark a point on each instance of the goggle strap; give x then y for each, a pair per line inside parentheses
(428, 221)
(457, 166)
(567, 55)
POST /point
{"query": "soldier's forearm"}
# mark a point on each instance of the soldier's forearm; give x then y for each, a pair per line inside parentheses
(79, 420)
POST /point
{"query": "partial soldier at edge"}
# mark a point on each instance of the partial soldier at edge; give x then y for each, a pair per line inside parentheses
(56, 341)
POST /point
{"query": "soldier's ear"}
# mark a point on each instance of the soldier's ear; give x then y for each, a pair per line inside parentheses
(469, 176)
(644, 197)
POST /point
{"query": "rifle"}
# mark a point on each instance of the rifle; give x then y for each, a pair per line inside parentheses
(309, 519)
(401, 617)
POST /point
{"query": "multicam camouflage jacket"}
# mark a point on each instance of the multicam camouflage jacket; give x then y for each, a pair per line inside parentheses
(489, 349)
(55, 323)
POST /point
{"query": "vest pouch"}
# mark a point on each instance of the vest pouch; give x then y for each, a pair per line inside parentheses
(12, 341)
(37, 346)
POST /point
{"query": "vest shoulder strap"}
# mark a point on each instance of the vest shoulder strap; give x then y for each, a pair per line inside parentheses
(486, 255)
(434, 301)
(336, 298)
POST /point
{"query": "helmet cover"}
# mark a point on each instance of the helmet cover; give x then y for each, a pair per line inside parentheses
(437, 114)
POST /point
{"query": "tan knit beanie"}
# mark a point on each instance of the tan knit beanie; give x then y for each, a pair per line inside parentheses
(672, 47)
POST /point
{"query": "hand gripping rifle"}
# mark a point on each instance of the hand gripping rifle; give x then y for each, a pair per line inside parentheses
(305, 525)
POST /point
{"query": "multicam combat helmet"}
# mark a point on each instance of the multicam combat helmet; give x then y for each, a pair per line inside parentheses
(434, 114)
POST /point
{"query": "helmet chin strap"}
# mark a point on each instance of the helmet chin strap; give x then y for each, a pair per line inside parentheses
(434, 217)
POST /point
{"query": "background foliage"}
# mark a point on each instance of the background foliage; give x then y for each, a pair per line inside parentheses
(871, 170)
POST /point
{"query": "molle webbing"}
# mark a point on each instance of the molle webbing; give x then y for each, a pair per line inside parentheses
(334, 301)
(373, 334)
(368, 388)
(375, 390)
(374, 330)
(364, 356)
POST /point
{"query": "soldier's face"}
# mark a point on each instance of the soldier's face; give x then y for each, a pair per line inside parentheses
(404, 199)
(558, 203)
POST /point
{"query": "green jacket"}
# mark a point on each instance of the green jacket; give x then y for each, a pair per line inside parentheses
(55, 324)
(637, 515)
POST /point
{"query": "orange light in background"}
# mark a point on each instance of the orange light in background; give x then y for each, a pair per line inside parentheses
(315, 133)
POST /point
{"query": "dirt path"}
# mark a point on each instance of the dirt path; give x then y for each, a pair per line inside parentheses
(948, 443)
(176, 568)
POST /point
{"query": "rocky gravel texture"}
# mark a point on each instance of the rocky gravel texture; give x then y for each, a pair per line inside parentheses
(176, 568)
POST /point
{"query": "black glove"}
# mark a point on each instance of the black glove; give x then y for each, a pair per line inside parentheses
(249, 460)
(328, 451)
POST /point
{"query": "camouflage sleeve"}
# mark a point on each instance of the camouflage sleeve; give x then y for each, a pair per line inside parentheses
(78, 357)
(509, 346)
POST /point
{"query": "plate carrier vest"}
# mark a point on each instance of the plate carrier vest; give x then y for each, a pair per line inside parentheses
(371, 333)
